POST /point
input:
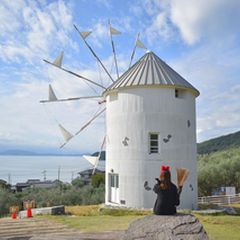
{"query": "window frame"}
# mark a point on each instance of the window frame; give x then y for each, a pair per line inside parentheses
(151, 148)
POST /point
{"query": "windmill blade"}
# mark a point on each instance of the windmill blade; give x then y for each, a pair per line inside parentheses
(75, 74)
(85, 34)
(134, 50)
(70, 99)
(51, 95)
(140, 44)
(99, 155)
(83, 127)
(66, 134)
(93, 53)
(91, 159)
(90, 121)
(58, 60)
(114, 31)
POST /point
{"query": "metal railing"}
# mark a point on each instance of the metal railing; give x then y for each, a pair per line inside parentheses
(220, 199)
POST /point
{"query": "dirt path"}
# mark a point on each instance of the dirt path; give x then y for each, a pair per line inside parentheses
(42, 229)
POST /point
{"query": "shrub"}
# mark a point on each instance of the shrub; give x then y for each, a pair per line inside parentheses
(98, 179)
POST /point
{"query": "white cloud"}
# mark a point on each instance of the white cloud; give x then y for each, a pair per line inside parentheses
(208, 69)
(10, 17)
(27, 122)
(198, 19)
(160, 27)
(33, 30)
(195, 20)
(40, 30)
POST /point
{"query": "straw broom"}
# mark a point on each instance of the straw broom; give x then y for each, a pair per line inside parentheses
(182, 174)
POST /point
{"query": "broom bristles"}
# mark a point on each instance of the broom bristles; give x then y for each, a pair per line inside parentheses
(182, 174)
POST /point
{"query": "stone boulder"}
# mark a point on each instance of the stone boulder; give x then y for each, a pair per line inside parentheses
(169, 227)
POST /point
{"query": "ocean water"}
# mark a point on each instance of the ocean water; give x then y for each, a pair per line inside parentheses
(21, 168)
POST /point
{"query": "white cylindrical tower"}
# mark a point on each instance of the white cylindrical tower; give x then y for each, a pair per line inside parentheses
(150, 121)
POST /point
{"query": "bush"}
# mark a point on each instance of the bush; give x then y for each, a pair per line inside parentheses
(77, 182)
(98, 179)
(219, 169)
(7, 199)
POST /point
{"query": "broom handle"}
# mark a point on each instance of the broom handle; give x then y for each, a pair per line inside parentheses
(179, 190)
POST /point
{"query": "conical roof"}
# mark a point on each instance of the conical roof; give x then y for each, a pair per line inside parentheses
(151, 70)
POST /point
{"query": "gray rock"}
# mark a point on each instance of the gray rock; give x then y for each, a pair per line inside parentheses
(175, 227)
(230, 210)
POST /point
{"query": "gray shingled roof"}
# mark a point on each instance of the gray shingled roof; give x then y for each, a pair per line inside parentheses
(151, 70)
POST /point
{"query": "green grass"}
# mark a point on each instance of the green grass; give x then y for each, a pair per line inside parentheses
(95, 223)
(219, 227)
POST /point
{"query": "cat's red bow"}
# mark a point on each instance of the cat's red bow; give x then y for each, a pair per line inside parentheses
(165, 168)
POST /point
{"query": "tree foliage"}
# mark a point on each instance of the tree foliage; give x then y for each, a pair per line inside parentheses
(219, 169)
(64, 194)
(98, 179)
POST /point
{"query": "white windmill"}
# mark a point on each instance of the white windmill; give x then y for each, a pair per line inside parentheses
(150, 121)
(67, 135)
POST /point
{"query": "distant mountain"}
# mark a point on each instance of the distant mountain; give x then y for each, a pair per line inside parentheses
(220, 143)
(102, 155)
(17, 152)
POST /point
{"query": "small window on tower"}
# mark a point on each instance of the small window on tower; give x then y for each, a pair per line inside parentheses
(176, 93)
(153, 143)
(180, 93)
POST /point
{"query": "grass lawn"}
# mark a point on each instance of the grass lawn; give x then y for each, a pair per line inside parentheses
(221, 227)
(96, 223)
(91, 219)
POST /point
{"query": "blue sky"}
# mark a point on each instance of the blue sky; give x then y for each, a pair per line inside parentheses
(199, 39)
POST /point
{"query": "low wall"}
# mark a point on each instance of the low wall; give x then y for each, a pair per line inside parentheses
(55, 210)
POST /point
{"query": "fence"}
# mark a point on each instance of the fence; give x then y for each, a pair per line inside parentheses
(220, 200)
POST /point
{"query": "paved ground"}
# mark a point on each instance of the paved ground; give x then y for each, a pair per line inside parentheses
(42, 229)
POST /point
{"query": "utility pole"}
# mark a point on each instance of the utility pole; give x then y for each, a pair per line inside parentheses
(9, 179)
(44, 172)
(72, 175)
(59, 169)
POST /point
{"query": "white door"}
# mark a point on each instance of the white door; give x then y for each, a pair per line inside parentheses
(114, 188)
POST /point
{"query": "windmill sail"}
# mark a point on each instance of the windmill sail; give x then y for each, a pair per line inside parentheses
(51, 95)
(66, 134)
(114, 31)
(99, 155)
(133, 52)
(58, 61)
(69, 136)
(91, 159)
(84, 36)
(140, 44)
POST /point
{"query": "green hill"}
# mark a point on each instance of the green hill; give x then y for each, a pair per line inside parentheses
(220, 143)
(219, 163)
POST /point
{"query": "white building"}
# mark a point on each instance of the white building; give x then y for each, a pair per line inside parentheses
(150, 122)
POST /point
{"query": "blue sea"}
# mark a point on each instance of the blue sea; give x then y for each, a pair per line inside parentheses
(21, 168)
